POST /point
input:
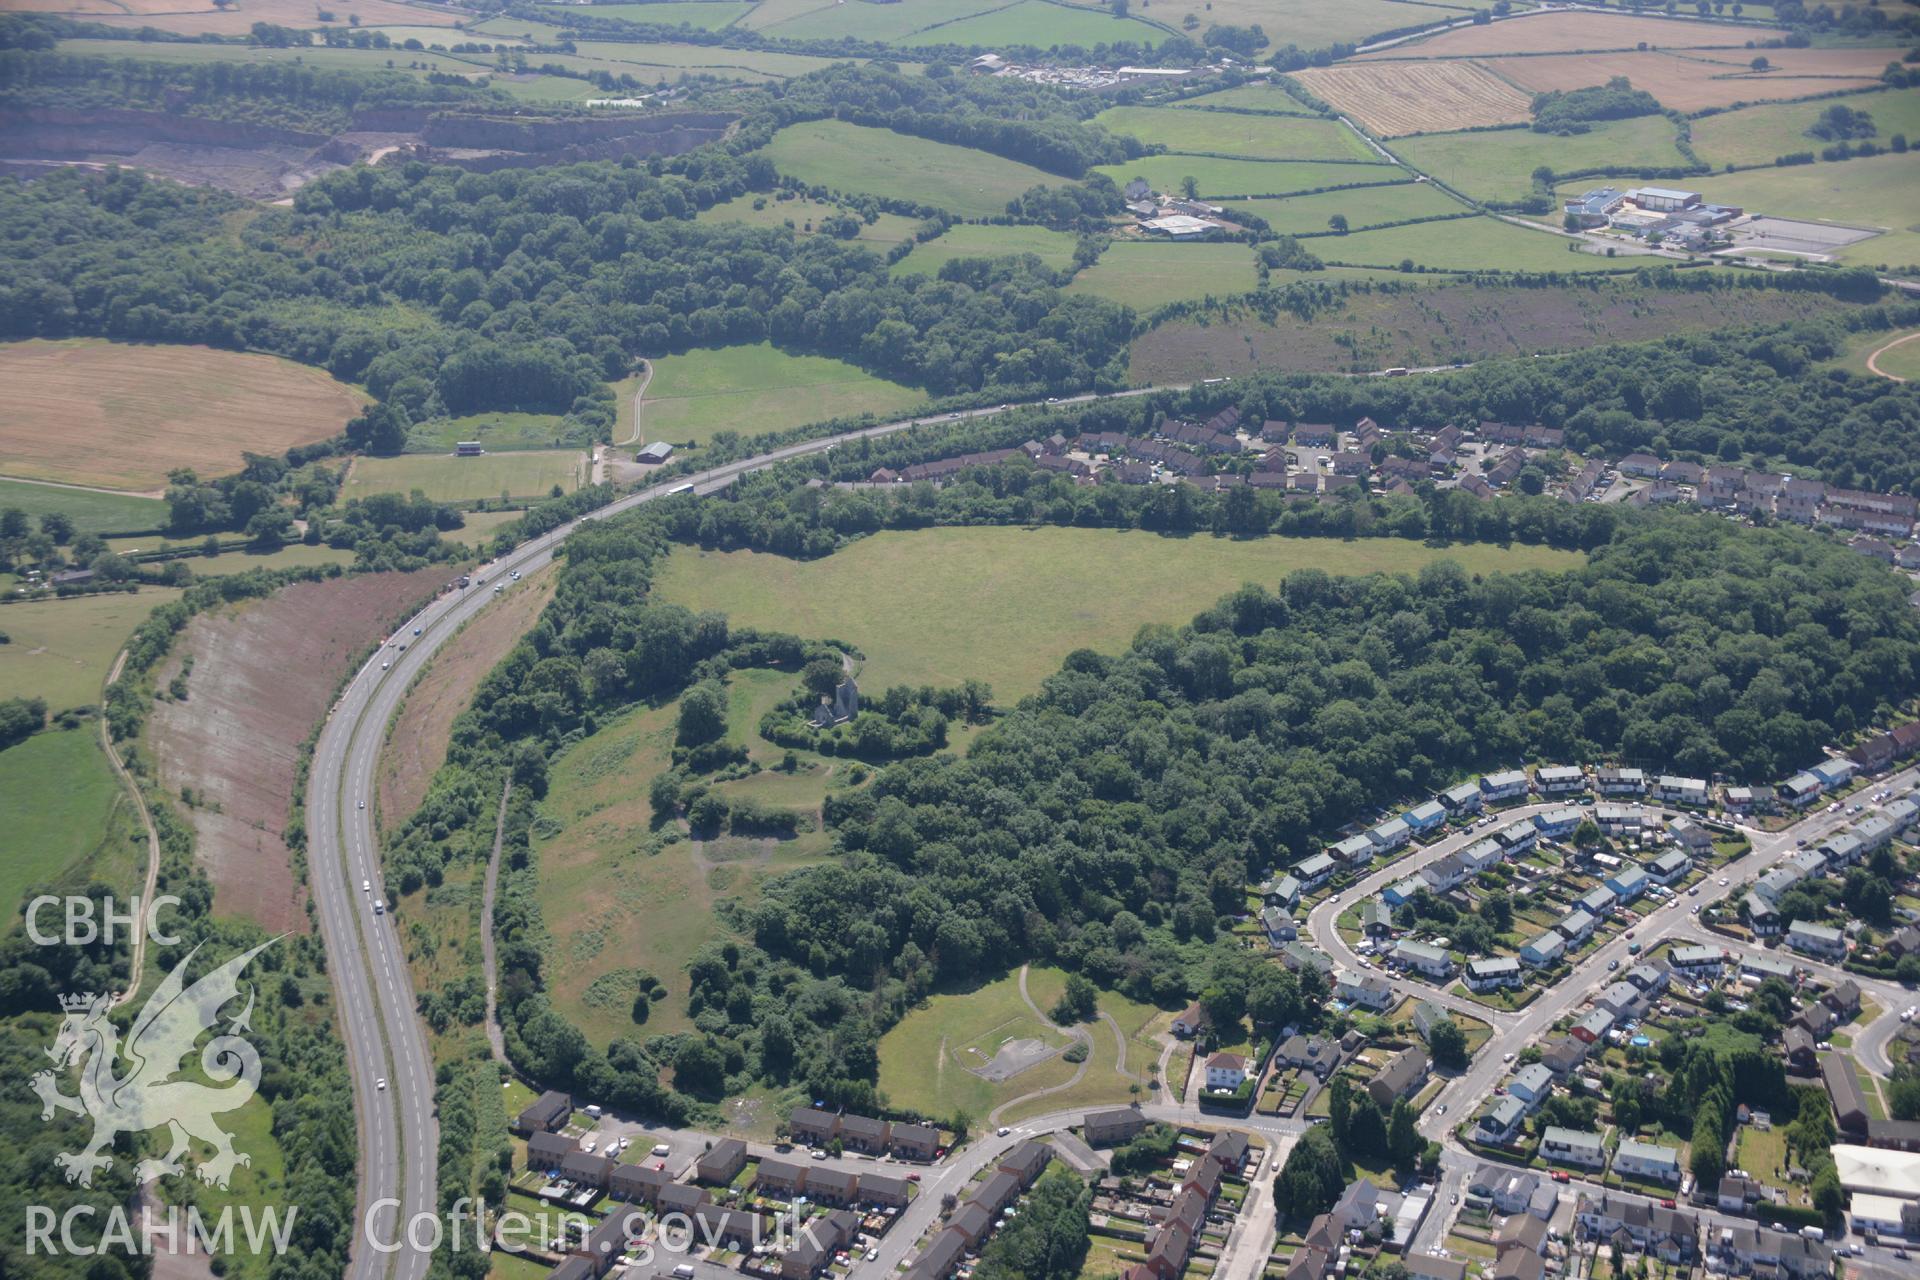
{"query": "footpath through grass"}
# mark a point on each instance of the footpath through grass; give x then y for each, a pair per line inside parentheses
(61, 800)
(1006, 605)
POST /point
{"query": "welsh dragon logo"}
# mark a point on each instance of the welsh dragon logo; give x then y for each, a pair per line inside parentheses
(148, 1096)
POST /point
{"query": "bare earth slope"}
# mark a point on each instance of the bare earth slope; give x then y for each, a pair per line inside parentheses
(263, 676)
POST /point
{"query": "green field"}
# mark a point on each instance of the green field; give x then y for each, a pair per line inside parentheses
(61, 650)
(613, 902)
(1362, 207)
(1148, 275)
(529, 474)
(924, 1059)
(61, 799)
(1902, 361)
(497, 431)
(854, 158)
(1229, 133)
(1038, 23)
(804, 217)
(1250, 97)
(709, 15)
(972, 240)
(669, 59)
(1498, 164)
(91, 512)
(1315, 24)
(1225, 179)
(1467, 244)
(317, 57)
(940, 606)
(1756, 135)
(547, 88)
(522, 28)
(756, 389)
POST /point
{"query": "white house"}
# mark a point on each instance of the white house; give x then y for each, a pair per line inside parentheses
(1423, 958)
(1697, 959)
(1635, 1159)
(1560, 780)
(1678, 790)
(1572, 1146)
(1544, 948)
(1390, 835)
(1577, 925)
(1500, 971)
(1226, 1071)
(1444, 873)
(1531, 1084)
(1801, 790)
(1426, 817)
(1372, 990)
(1620, 782)
(1691, 836)
(1480, 855)
(1834, 772)
(1503, 1119)
(1629, 883)
(1619, 819)
(1510, 785)
(1518, 838)
(1464, 798)
(1817, 940)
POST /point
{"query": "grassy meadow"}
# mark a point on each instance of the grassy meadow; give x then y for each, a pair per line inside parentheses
(1362, 207)
(1230, 133)
(497, 431)
(972, 240)
(1467, 244)
(1039, 23)
(709, 15)
(855, 158)
(1146, 275)
(90, 511)
(618, 901)
(1498, 164)
(529, 474)
(756, 389)
(1222, 179)
(940, 606)
(804, 216)
(1756, 135)
(61, 800)
(61, 650)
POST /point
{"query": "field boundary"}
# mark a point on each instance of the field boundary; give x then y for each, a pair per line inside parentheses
(137, 970)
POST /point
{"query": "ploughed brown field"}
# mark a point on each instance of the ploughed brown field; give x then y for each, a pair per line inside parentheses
(1419, 97)
(120, 416)
(1695, 80)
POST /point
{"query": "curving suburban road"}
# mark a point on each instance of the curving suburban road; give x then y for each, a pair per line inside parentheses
(398, 1133)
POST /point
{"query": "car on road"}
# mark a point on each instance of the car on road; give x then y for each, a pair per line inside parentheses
(913, 1177)
(381, 1084)
(366, 886)
(1723, 882)
(1004, 1131)
(1507, 1057)
(819, 1155)
(1667, 1203)
(1560, 1175)
(516, 575)
(589, 1145)
(1613, 964)
(363, 804)
(386, 666)
(416, 631)
(379, 907)
(1440, 1110)
(1696, 908)
(1455, 1199)
(1694, 892)
(873, 1255)
(1906, 1014)
(662, 1149)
